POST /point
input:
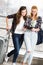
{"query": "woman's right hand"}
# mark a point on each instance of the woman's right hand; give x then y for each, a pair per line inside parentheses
(33, 29)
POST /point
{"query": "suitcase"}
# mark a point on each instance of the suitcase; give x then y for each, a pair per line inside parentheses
(4, 45)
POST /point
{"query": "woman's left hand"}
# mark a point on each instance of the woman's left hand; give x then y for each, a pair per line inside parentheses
(35, 29)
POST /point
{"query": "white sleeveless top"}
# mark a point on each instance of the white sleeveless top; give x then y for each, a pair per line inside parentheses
(19, 28)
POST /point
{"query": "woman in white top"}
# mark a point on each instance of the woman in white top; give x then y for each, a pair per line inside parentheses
(33, 25)
(17, 31)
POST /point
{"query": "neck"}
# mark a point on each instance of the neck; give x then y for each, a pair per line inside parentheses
(34, 18)
(21, 17)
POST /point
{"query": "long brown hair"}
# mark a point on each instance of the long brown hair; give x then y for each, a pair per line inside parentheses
(31, 15)
(18, 15)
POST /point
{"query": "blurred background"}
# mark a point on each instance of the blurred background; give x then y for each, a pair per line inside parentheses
(8, 7)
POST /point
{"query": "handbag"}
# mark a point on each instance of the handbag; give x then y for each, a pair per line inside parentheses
(40, 37)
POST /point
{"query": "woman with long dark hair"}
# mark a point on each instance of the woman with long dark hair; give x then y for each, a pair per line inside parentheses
(33, 26)
(17, 31)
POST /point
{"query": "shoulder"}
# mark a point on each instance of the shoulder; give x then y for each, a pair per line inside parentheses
(29, 18)
(39, 18)
(15, 14)
(11, 16)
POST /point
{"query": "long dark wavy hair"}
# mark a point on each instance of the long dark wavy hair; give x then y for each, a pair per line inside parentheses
(18, 14)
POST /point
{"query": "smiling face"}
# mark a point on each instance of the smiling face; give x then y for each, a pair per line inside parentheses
(23, 12)
(34, 11)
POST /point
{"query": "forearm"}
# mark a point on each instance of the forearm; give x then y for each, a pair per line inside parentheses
(7, 26)
(6, 21)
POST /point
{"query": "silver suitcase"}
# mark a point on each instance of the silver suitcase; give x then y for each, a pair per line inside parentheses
(4, 46)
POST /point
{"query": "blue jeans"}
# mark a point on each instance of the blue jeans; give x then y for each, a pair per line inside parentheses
(30, 39)
(17, 42)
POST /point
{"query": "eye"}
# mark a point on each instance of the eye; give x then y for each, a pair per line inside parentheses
(33, 11)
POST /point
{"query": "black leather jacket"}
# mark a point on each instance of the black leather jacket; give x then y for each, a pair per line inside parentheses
(13, 27)
(13, 23)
